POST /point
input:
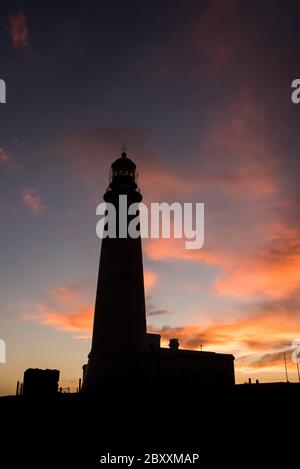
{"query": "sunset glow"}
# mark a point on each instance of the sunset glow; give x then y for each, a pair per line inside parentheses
(204, 109)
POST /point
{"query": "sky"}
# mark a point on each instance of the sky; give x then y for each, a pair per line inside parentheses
(200, 94)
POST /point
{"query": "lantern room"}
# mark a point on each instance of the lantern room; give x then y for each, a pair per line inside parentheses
(123, 173)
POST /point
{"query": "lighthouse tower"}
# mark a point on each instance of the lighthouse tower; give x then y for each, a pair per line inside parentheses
(123, 355)
(119, 332)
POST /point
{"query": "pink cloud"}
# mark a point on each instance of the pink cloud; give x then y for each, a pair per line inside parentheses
(33, 200)
(213, 35)
(19, 30)
(4, 156)
(7, 160)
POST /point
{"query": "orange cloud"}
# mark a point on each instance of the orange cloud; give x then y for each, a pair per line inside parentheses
(273, 360)
(174, 249)
(150, 279)
(274, 270)
(18, 30)
(32, 200)
(69, 292)
(237, 171)
(65, 309)
(255, 340)
(79, 320)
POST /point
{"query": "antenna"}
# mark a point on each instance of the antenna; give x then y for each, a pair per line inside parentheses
(286, 372)
(124, 151)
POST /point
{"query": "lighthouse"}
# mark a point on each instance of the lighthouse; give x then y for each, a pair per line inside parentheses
(119, 330)
(124, 356)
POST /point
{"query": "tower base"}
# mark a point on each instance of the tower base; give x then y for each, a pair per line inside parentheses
(160, 369)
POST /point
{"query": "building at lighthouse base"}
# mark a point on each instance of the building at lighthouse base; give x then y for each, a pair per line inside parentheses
(160, 368)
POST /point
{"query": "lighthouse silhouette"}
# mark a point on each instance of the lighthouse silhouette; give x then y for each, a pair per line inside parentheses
(119, 331)
(123, 355)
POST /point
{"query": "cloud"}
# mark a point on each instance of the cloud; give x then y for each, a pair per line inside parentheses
(166, 181)
(257, 337)
(19, 30)
(242, 166)
(157, 312)
(209, 42)
(67, 309)
(240, 156)
(7, 160)
(80, 319)
(238, 170)
(273, 270)
(214, 37)
(235, 155)
(33, 200)
(150, 279)
(257, 340)
(251, 228)
(93, 150)
(4, 156)
(272, 359)
(174, 249)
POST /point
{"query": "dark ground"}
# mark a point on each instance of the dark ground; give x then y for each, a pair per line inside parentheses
(250, 424)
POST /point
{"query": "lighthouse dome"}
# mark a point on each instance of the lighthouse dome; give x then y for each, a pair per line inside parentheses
(123, 166)
(123, 175)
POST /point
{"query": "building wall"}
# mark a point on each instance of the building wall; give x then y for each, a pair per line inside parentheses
(186, 369)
